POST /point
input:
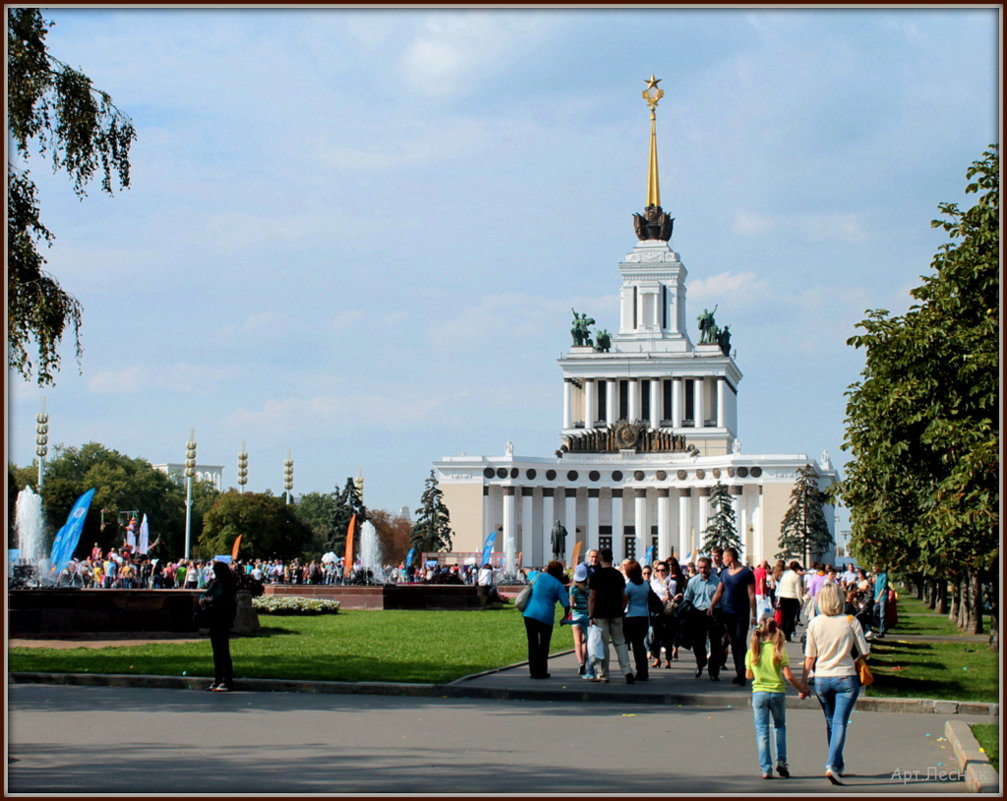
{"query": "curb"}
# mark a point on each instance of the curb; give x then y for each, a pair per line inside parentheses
(980, 777)
(455, 689)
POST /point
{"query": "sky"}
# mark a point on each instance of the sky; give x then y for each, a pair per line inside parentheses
(357, 235)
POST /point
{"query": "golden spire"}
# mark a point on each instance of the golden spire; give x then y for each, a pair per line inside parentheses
(653, 94)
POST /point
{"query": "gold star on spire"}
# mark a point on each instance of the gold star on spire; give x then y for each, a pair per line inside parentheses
(652, 82)
(653, 94)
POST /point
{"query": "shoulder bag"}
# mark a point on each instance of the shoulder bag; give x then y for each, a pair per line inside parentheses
(521, 602)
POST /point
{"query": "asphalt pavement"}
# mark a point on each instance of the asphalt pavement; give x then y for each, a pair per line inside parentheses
(671, 735)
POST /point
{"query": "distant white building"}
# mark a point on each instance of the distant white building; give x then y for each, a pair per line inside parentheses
(649, 425)
(214, 473)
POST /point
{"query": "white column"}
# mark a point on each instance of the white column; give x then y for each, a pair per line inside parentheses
(589, 398)
(571, 524)
(685, 545)
(544, 550)
(617, 535)
(567, 404)
(676, 402)
(641, 523)
(633, 412)
(697, 401)
(720, 402)
(611, 401)
(655, 402)
(591, 537)
(703, 514)
(530, 538)
(663, 523)
(509, 533)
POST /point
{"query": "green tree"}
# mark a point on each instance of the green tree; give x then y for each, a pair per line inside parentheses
(922, 424)
(721, 531)
(432, 530)
(121, 483)
(804, 532)
(54, 109)
(269, 528)
(314, 509)
(346, 503)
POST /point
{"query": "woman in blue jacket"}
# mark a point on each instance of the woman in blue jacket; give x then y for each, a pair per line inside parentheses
(547, 590)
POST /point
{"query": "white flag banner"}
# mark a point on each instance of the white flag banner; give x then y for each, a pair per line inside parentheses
(144, 536)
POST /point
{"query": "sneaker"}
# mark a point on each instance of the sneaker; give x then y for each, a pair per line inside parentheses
(783, 770)
(832, 776)
(581, 669)
(588, 677)
(222, 688)
(211, 688)
(767, 775)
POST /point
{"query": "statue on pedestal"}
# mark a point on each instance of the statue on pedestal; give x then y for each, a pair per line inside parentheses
(603, 341)
(581, 329)
(708, 327)
(558, 541)
(724, 340)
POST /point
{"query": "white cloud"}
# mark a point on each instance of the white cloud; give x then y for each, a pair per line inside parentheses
(841, 226)
(289, 415)
(742, 288)
(140, 379)
(455, 51)
(346, 318)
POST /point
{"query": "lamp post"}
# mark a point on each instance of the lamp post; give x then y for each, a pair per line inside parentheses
(41, 440)
(288, 474)
(190, 470)
(242, 468)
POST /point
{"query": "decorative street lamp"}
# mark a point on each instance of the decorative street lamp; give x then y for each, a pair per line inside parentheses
(359, 481)
(190, 471)
(41, 439)
(288, 474)
(242, 468)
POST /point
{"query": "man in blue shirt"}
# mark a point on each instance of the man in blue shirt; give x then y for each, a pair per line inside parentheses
(736, 597)
(880, 598)
(705, 626)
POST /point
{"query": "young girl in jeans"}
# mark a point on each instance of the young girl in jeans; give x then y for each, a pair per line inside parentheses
(766, 663)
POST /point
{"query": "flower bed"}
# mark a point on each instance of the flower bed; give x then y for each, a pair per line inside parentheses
(293, 605)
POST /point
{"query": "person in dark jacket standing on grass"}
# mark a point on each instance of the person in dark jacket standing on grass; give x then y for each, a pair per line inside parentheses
(220, 602)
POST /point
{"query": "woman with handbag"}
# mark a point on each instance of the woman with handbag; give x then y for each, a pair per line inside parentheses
(539, 613)
(830, 670)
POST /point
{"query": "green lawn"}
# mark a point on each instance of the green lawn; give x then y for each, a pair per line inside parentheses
(354, 645)
(960, 671)
(988, 735)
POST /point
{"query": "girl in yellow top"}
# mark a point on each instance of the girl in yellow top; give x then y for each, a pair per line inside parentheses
(766, 663)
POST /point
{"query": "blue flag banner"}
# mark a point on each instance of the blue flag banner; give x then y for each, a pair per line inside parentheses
(68, 537)
(649, 558)
(409, 557)
(491, 539)
(224, 557)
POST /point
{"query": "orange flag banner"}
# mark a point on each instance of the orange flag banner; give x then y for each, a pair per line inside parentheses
(348, 560)
(576, 552)
(234, 548)
(520, 558)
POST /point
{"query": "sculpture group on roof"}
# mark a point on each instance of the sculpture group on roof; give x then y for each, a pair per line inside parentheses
(711, 334)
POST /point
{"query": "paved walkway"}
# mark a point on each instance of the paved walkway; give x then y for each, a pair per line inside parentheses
(133, 740)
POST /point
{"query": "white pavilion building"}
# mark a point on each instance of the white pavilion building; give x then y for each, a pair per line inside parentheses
(649, 426)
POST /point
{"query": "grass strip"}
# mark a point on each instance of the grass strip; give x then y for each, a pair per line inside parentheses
(988, 735)
(427, 647)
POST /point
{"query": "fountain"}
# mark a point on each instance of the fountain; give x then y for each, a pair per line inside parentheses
(371, 569)
(32, 566)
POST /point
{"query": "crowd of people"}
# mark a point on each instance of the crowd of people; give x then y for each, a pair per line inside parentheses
(725, 612)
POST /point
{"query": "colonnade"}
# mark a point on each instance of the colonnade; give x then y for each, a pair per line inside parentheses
(582, 401)
(672, 519)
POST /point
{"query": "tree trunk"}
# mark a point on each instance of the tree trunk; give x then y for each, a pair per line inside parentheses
(942, 596)
(994, 609)
(956, 588)
(976, 623)
(930, 592)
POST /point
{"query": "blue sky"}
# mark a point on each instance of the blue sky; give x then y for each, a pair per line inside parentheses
(358, 234)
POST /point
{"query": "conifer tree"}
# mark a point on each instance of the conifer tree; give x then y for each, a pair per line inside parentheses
(347, 503)
(722, 530)
(804, 530)
(432, 529)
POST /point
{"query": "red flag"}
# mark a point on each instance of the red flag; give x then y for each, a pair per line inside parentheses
(234, 548)
(576, 552)
(348, 561)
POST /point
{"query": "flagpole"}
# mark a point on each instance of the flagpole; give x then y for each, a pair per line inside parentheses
(190, 465)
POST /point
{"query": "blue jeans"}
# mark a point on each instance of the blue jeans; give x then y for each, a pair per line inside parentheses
(764, 705)
(837, 695)
(880, 608)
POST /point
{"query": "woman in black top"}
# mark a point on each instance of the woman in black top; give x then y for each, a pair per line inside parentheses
(219, 601)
